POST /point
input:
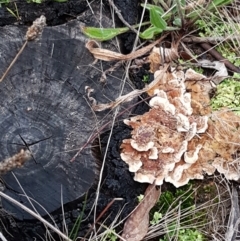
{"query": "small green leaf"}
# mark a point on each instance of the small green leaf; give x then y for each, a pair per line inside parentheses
(156, 8)
(156, 19)
(177, 22)
(170, 28)
(150, 32)
(103, 34)
(156, 218)
(140, 197)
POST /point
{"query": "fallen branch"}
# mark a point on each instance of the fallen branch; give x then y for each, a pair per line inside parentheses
(219, 57)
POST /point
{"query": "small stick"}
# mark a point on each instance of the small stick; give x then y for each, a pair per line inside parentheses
(35, 215)
(108, 55)
(211, 40)
(13, 62)
(32, 33)
(219, 57)
(2, 237)
(118, 12)
(100, 215)
(104, 74)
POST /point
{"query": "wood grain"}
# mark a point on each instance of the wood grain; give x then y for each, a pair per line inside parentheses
(43, 110)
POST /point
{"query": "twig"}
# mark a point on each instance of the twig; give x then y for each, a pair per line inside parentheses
(111, 69)
(34, 215)
(32, 33)
(2, 237)
(89, 5)
(100, 215)
(14, 60)
(219, 57)
(118, 12)
(211, 40)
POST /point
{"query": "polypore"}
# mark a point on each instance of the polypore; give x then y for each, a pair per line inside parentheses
(175, 140)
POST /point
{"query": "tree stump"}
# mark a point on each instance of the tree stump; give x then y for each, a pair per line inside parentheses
(44, 110)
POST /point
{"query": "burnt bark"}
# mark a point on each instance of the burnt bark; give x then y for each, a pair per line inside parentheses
(44, 109)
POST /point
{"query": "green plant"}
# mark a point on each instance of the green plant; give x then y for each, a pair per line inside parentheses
(111, 236)
(156, 218)
(227, 52)
(160, 20)
(74, 232)
(157, 25)
(227, 95)
(171, 199)
(145, 78)
(14, 13)
(198, 70)
(4, 1)
(179, 204)
(185, 235)
(214, 25)
(140, 197)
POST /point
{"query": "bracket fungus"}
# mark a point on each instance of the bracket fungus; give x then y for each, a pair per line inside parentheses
(180, 138)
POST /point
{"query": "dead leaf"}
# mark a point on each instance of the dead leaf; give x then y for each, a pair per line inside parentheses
(221, 73)
(136, 226)
(108, 55)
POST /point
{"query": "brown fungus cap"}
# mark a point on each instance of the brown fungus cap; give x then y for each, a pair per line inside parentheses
(179, 139)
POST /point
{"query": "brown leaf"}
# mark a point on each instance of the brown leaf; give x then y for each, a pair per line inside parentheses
(136, 226)
(108, 55)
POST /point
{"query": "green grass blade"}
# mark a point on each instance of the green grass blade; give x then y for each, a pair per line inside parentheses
(218, 3)
(76, 227)
(11, 12)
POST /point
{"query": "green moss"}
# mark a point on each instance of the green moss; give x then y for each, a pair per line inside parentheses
(227, 95)
(185, 235)
(214, 26)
